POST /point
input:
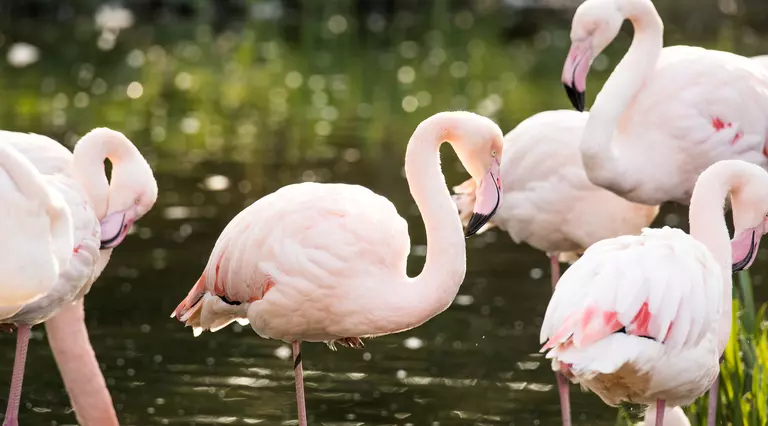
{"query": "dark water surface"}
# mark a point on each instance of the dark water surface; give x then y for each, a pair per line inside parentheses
(228, 109)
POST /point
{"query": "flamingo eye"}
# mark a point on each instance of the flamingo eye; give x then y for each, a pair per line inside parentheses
(137, 201)
(493, 153)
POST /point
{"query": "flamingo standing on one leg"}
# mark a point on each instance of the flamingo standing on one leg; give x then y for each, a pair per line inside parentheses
(664, 114)
(326, 262)
(130, 193)
(639, 318)
(550, 203)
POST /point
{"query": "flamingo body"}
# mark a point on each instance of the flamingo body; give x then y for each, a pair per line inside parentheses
(295, 266)
(549, 201)
(633, 319)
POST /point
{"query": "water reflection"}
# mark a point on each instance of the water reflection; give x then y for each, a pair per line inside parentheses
(229, 113)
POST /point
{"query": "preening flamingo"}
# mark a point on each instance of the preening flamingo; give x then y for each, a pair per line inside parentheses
(762, 60)
(643, 318)
(95, 205)
(326, 262)
(664, 115)
(549, 202)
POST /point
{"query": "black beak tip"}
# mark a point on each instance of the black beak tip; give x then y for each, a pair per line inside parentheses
(476, 222)
(736, 267)
(577, 98)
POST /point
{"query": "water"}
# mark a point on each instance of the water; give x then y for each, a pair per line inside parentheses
(227, 111)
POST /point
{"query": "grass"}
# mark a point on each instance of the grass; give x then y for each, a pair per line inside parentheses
(743, 391)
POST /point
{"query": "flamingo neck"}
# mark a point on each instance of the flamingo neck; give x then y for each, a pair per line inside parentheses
(434, 289)
(89, 155)
(707, 220)
(604, 166)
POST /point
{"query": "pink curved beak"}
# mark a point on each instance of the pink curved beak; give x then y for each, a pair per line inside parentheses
(575, 72)
(487, 199)
(744, 247)
(114, 228)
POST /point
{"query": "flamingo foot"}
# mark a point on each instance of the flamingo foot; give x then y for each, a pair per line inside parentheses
(14, 399)
(350, 342)
(660, 412)
(299, 375)
(712, 405)
(565, 399)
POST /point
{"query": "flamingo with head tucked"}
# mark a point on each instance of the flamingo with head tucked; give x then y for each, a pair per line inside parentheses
(549, 202)
(102, 213)
(664, 114)
(327, 262)
(641, 318)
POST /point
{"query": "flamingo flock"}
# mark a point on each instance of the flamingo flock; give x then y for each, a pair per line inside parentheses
(640, 315)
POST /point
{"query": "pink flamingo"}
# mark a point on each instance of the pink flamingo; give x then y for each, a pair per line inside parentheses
(550, 203)
(665, 114)
(326, 262)
(102, 213)
(640, 318)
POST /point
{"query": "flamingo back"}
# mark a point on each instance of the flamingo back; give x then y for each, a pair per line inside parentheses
(315, 250)
(632, 308)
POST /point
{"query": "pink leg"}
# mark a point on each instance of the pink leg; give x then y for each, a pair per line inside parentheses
(712, 406)
(562, 382)
(22, 341)
(299, 375)
(660, 412)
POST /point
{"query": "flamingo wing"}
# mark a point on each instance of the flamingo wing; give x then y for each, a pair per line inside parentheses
(75, 279)
(662, 285)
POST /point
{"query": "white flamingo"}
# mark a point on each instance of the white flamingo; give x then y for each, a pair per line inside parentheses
(549, 201)
(102, 212)
(326, 262)
(640, 318)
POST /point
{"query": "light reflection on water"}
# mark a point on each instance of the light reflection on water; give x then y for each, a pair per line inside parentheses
(222, 132)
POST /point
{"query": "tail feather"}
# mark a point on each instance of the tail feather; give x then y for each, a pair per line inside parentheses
(464, 197)
(191, 301)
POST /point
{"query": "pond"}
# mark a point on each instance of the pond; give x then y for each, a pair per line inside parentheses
(230, 101)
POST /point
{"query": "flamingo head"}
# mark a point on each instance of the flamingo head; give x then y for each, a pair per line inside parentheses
(750, 219)
(132, 193)
(479, 147)
(595, 24)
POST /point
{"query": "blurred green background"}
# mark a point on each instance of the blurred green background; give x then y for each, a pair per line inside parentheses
(230, 100)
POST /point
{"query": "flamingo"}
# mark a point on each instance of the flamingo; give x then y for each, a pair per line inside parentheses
(551, 204)
(327, 262)
(664, 114)
(641, 318)
(102, 213)
(762, 60)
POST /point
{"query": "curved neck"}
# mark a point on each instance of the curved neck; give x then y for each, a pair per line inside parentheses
(707, 220)
(416, 300)
(604, 166)
(89, 155)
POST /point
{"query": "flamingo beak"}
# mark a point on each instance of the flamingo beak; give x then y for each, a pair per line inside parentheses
(114, 228)
(744, 248)
(487, 199)
(575, 72)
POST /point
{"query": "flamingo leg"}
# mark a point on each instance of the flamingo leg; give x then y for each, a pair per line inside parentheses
(562, 382)
(659, 412)
(22, 341)
(712, 406)
(298, 372)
